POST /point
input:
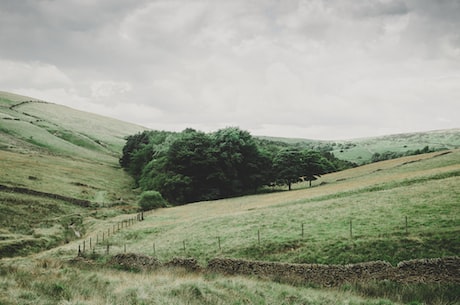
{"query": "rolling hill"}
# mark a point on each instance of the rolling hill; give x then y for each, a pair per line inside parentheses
(52, 157)
(61, 188)
(361, 151)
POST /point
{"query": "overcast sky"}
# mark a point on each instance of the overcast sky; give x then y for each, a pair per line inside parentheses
(320, 69)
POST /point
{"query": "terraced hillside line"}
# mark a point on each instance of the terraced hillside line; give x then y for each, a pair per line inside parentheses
(79, 202)
(26, 102)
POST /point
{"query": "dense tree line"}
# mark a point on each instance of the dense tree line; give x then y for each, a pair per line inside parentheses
(192, 165)
(388, 155)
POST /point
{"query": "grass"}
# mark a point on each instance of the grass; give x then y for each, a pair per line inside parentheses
(56, 282)
(360, 151)
(427, 195)
(54, 149)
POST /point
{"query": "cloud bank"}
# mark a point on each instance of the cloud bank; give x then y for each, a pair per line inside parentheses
(323, 69)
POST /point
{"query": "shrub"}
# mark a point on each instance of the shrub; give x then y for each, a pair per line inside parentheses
(150, 200)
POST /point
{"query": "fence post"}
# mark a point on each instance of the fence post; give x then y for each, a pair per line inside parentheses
(79, 250)
(407, 231)
(90, 244)
(218, 241)
(184, 245)
(84, 248)
(154, 249)
(302, 229)
(351, 229)
(107, 248)
(125, 249)
(258, 236)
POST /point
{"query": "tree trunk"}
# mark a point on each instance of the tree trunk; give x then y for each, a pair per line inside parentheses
(289, 185)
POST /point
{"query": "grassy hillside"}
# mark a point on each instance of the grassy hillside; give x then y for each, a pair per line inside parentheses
(54, 149)
(360, 151)
(392, 210)
(376, 198)
(29, 125)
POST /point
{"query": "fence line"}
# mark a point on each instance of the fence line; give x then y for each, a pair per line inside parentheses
(111, 248)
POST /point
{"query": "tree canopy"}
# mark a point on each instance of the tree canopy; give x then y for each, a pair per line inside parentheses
(192, 165)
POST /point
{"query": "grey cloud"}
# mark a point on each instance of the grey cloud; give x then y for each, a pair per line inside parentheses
(312, 65)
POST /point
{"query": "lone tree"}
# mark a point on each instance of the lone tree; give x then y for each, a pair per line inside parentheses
(288, 165)
(315, 165)
(293, 165)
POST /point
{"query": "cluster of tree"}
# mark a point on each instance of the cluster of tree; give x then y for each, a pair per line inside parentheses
(388, 155)
(192, 166)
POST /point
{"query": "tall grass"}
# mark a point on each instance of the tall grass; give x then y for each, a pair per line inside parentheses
(55, 282)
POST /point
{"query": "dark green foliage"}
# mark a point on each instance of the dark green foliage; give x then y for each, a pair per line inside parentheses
(139, 150)
(388, 155)
(293, 165)
(150, 200)
(193, 166)
(288, 166)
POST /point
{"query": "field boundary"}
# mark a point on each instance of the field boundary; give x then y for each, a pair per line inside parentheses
(434, 270)
(22, 190)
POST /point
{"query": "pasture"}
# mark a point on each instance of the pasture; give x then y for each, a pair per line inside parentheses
(392, 210)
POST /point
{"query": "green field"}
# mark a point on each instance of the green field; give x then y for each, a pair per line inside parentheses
(376, 199)
(392, 210)
(360, 151)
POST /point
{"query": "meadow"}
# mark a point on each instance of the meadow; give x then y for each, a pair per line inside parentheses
(392, 210)
(395, 210)
(377, 198)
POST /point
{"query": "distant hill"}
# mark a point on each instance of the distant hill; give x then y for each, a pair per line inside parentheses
(361, 151)
(31, 125)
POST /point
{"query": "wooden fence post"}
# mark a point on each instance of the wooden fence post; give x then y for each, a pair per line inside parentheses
(407, 231)
(302, 229)
(258, 236)
(351, 229)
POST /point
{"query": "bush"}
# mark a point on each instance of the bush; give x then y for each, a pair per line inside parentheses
(150, 200)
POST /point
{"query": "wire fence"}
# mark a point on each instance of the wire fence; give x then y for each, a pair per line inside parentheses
(100, 242)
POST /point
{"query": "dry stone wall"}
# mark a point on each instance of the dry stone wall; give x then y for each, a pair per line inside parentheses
(438, 270)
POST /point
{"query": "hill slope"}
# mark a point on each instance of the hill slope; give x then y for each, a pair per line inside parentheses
(361, 151)
(391, 210)
(377, 198)
(30, 125)
(51, 157)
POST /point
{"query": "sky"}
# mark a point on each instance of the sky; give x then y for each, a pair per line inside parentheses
(315, 69)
